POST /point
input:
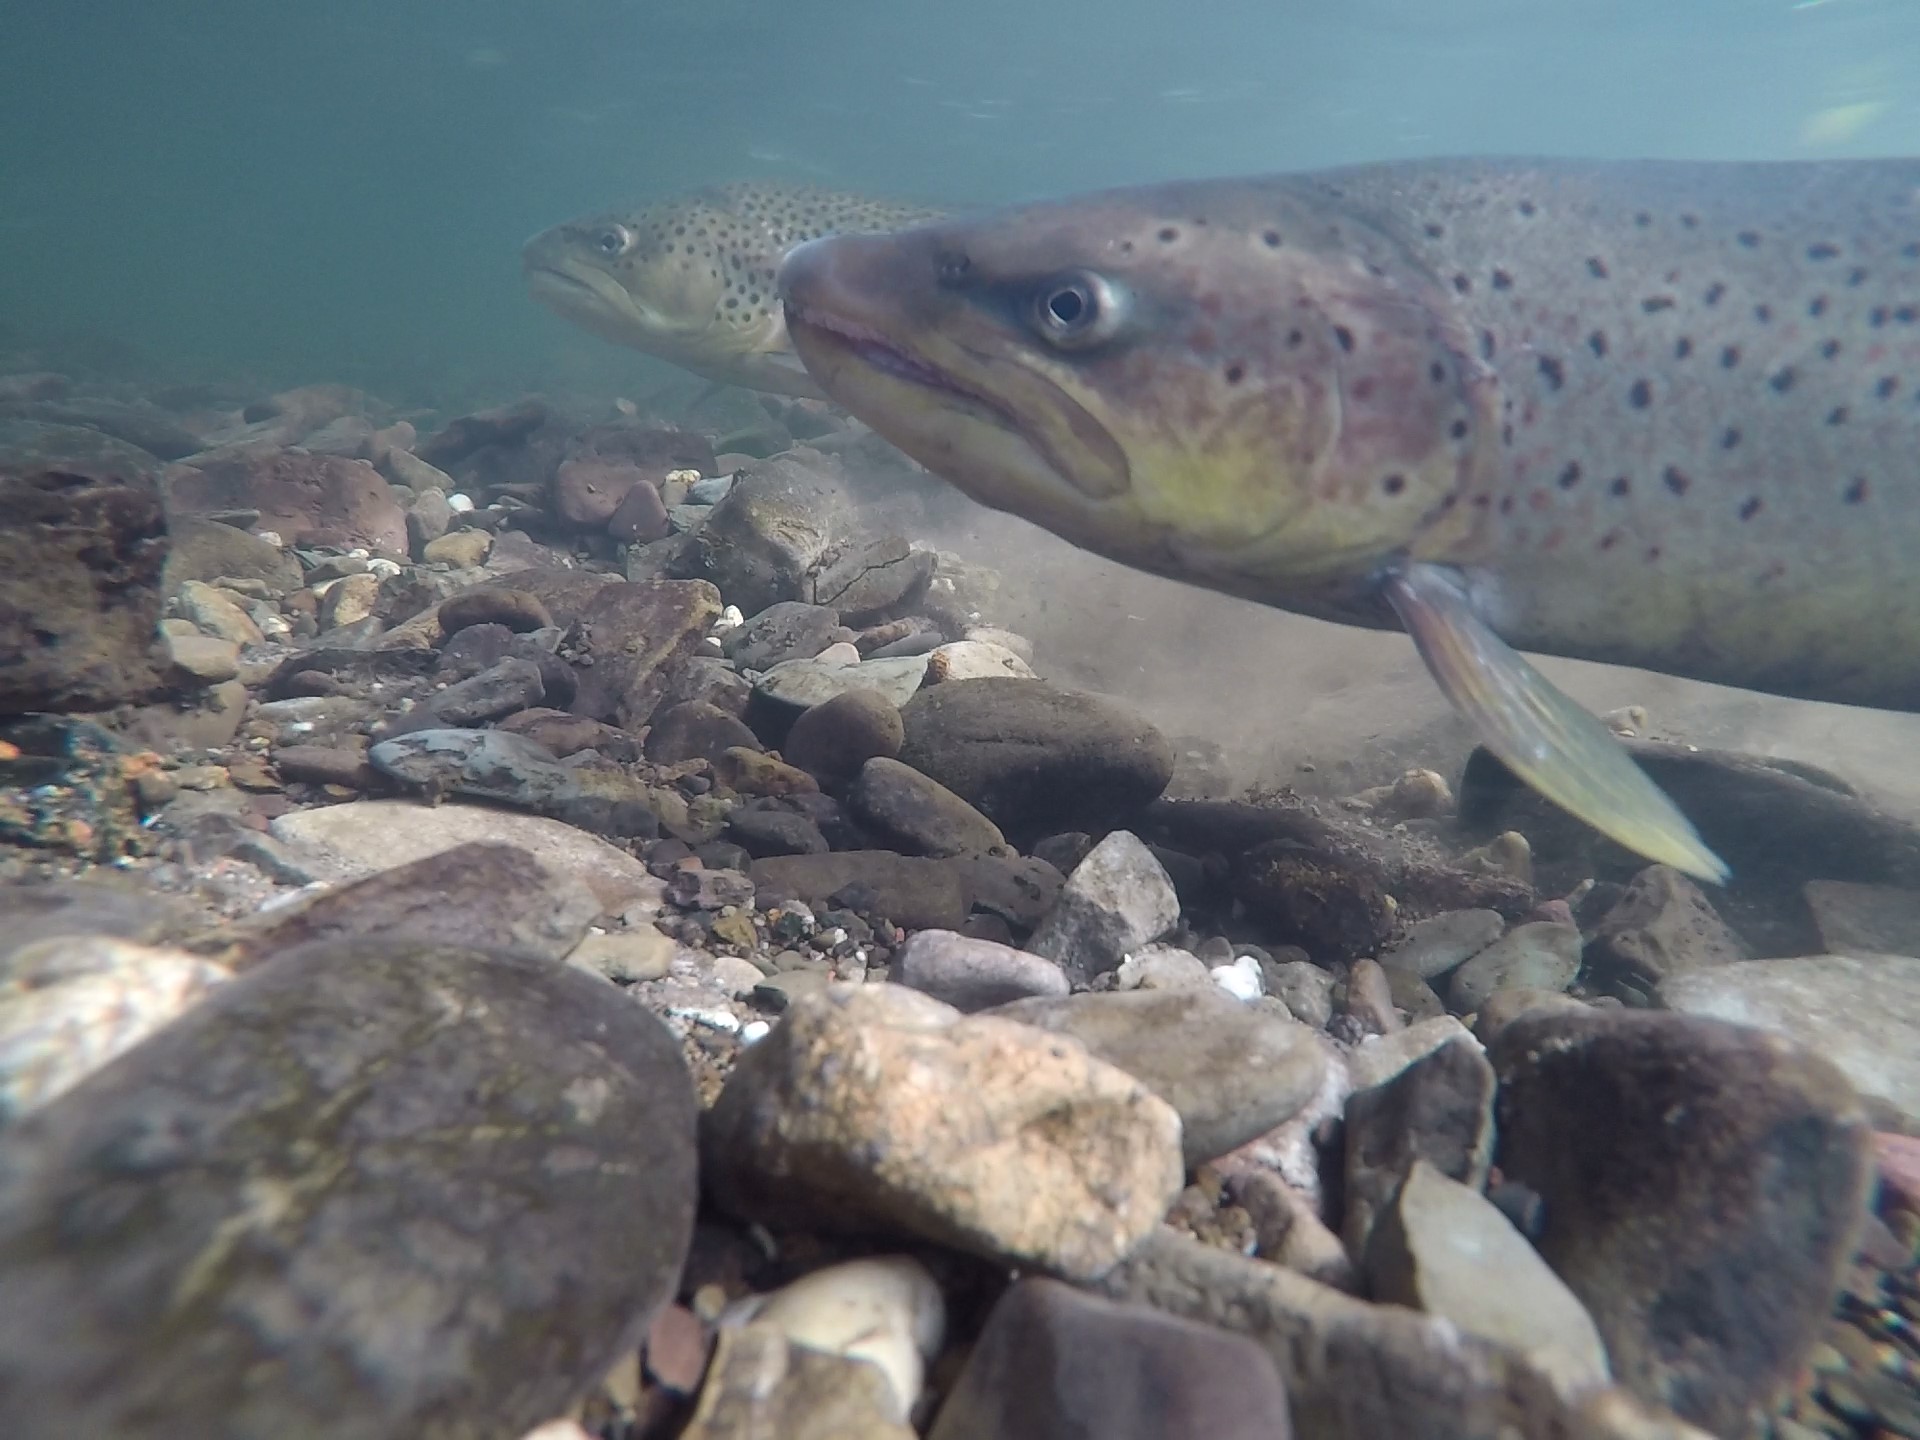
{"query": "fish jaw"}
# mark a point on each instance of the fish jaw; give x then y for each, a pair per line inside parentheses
(1248, 451)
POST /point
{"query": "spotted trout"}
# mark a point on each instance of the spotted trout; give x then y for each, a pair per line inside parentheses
(689, 280)
(1659, 414)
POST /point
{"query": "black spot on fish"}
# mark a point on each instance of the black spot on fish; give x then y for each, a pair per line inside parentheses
(1837, 415)
(1675, 479)
(1640, 395)
(1295, 338)
(1502, 280)
(1570, 476)
(1729, 439)
(1619, 485)
(1393, 484)
(1782, 379)
(1856, 277)
(1506, 504)
(1552, 372)
(1344, 338)
(1486, 345)
(1654, 304)
(1730, 357)
(1434, 232)
(1750, 239)
(1437, 373)
(1609, 540)
(1911, 250)
(1596, 267)
(1597, 342)
(1885, 386)
(1691, 222)
(1715, 293)
(1822, 251)
(1528, 208)
(1458, 430)
(1168, 235)
(1682, 348)
(1462, 284)
(1653, 552)
(1642, 219)
(1906, 314)
(1763, 313)
(1750, 507)
(1506, 434)
(1236, 373)
(1817, 306)
(1271, 239)
(1856, 491)
(1877, 316)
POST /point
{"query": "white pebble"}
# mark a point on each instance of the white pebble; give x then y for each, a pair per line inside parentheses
(730, 619)
(460, 502)
(753, 1031)
(724, 1021)
(1241, 979)
(272, 537)
(360, 552)
(383, 567)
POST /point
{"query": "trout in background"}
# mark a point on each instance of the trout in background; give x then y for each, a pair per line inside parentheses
(1655, 414)
(690, 279)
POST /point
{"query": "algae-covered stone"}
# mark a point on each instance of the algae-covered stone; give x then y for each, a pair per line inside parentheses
(359, 1191)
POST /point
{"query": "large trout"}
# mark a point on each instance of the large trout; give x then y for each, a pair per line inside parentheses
(689, 279)
(1654, 414)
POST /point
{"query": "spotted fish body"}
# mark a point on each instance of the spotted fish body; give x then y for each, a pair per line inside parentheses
(690, 279)
(1661, 414)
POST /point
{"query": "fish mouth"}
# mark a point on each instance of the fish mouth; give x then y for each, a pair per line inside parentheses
(870, 348)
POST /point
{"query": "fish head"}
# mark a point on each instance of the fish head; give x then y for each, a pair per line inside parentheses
(1235, 386)
(687, 280)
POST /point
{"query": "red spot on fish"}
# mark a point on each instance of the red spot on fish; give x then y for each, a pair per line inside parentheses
(1553, 540)
(1539, 500)
(1210, 305)
(1201, 337)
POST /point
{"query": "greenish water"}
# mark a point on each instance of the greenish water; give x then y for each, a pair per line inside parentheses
(289, 193)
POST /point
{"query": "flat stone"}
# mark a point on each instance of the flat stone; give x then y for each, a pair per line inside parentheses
(518, 610)
(975, 660)
(971, 974)
(367, 836)
(915, 892)
(488, 896)
(1379, 1058)
(1862, 1012)
(202, 659)
(210, 550)
(1305, 989)
(868, 579)
(1438, 1112)
(1436, 1247)
(1055, 1362)
(1232, 1071)
(1334, 904)
(1433, 946)
(788, 630)
(800, 685)
(305, 499)
(1117, 900)
(373, 1134)
(636, 634)
(1703, 1186)
(878, 1107)
(626, 956)
(1541, 955)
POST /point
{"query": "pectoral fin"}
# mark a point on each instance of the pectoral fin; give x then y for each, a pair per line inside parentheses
(1546, 739)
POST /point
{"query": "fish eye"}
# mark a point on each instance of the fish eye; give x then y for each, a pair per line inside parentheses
(1076, 309)
(614, 241)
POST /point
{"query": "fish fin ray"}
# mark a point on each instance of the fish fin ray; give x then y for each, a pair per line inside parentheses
(1537, 730)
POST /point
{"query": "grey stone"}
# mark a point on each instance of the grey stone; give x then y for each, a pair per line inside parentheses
(800, 685)
(971, 974)
(765, 540)
(1860, 1011)
(1865, 919)
(696, 730)
(209, 550)
(760, 1383)
(1663, 926)
(1355, 1371)
(1054, 1362)
(1437, 1111)
(787, 630)
(1542, 955)
(915, 892)
(1703, 1184)
(1377, 1060)
(1305, 989)
(1033, 758)
(1116, 900)
(1232, 1071)
(910, 813)
(867, 580)
(1437, 944)
(511, 685)
(329, 1137)
(636, 633)
(762, 833)
(1436, 1248)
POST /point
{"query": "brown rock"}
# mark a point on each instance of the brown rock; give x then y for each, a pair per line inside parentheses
(836, 737)
(502, 425)
(913, 891)
(588, 491)
(762, 1384)
(211, 550)
(641, 516)
(916, 816)
(1663, 926)
(304, 499)
(878, 1106)
(518, 610)
(636, 633)
(696, 731)
(82, 554)
(748, 770)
